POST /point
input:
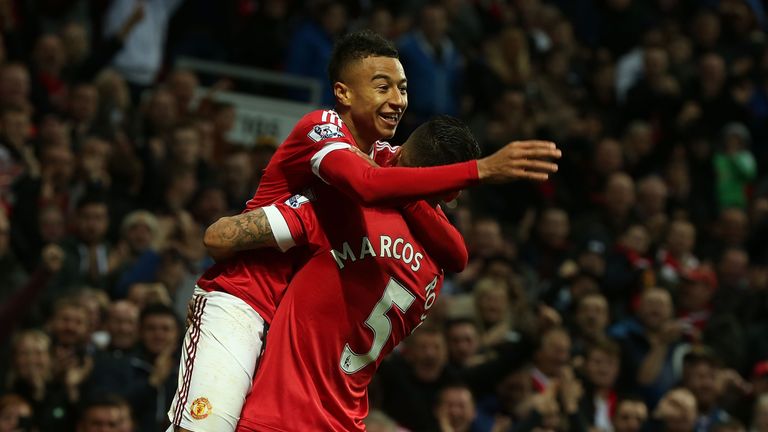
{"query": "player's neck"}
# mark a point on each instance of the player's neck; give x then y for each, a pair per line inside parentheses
(362, 142)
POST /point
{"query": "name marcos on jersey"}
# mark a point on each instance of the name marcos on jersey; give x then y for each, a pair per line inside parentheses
(387, 248)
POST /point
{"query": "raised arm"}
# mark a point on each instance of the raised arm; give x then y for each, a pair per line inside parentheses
(371, 185)
(442, 241)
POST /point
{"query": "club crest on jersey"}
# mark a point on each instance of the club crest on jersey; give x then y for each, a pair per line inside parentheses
(201, 408)
(325, 131)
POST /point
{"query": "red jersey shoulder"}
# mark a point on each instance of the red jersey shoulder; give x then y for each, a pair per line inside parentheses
(322, 125)
(384, 154)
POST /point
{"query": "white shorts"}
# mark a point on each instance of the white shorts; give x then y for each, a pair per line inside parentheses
(219, 356)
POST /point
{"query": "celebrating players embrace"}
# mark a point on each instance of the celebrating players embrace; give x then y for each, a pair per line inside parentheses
(360, 260)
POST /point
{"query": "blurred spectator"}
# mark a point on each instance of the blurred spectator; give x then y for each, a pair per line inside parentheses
(601, 370)
(630, 415)
(463, 342)
(122, 323)
(649, 344)
(141, 58)
(15, 413)
(377, 421)
(433, 66)
(455, 412)
(590, 323)
(760, 414)
(146, 377)
(735, 166)
(700, 376)
(310, 47)
(676, 255)
(110, 413)
(676, 412)
(550, 358)
(32, 377)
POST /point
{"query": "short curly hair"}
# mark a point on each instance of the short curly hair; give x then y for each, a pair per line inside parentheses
(357, 46)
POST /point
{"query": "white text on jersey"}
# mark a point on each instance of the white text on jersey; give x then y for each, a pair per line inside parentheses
(387, 248)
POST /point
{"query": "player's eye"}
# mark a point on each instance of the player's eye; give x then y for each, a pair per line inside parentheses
(382, 88)
(403, 90)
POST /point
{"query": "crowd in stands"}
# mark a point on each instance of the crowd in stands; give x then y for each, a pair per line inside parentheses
(628, 293)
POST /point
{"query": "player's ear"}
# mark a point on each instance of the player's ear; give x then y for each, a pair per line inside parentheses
(342, 93)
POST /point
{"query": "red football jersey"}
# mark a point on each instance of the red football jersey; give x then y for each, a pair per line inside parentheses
(260, 277)
(368, 285)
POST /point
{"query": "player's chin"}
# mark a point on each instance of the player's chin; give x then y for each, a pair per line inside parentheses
(386, 132)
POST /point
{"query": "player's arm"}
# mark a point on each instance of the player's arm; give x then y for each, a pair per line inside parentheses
(440, 238)
(277, 226)
(371, 185)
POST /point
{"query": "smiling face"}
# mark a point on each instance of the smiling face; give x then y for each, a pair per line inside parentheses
(373, 94)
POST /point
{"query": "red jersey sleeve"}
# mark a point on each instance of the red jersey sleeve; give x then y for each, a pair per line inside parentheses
(440, 238)
(370, 185)
(294, 223)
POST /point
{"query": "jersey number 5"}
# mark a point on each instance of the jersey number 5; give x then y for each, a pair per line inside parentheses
(379, 323)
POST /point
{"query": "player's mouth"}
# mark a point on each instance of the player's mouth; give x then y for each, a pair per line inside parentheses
(391, 119)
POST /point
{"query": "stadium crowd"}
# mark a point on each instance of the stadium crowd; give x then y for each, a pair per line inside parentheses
(628, 293)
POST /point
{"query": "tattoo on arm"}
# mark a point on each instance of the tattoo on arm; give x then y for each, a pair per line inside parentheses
(247, 231)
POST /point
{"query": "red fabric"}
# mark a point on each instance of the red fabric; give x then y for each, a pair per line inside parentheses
(442, 240)
(259, 277)
(301, 384)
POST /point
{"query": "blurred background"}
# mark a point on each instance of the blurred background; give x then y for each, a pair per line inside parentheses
(628, 293)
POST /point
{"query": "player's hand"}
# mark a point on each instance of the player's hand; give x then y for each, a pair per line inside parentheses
(365, 157)
(519, 160)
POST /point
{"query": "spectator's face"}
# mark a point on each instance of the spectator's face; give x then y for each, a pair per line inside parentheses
(58, 165)
(592, 315)
(84, 103)
(554, 353)
(70, 326)
(158, 333)
(493, 305)
(224, 120)
(186, 146)
(681, 411)
(487, 239)
(655, 63)
(9, 416)
(162, 110)
(14, 86)
(712, 70)
(608, 157)
(75, 40)
(619, 194)
(463, 342)
(434, 22)
(123, 325)
(733, 227)
(16, 126)
(126, 421)
(183, 85)
(681, 238)
(51, 225)
(381, 22)
(101, 419)
(514, 389)
(139, 237)
(652, 194)
(238, 170)
(602, 368)
(334, 19)
(655, 309)
(630, 416)
(32, 358)
(92, 223)
(695, 295)
(375, 92)
(211, 205)
(427, 355)
(458, 407)
(706, 29)
(554, 228)
(700, 378)
(49, 54)
(637, 239)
